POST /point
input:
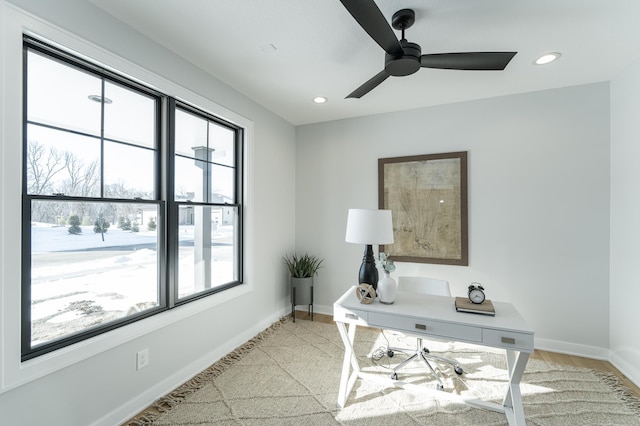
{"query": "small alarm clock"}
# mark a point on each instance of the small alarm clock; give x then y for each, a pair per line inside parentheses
(476, 293)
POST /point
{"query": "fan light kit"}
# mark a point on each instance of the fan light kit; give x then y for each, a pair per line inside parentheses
(404, 58)
(547, 58)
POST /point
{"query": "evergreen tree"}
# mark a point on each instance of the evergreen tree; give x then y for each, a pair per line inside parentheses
(74, 221)
(124, 223)
(101, 226)
(151, 226)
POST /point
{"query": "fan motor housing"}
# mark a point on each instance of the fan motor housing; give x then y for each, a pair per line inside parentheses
(407, 64)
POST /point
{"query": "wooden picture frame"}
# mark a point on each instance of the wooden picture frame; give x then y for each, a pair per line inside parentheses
(427, 196)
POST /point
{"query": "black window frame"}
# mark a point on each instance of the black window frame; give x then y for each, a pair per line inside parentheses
(167, 206)
(174, 205)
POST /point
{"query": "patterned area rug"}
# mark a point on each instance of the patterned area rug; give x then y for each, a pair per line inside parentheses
(289, 375)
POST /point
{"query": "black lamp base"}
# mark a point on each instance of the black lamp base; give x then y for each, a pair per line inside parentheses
(368, 271)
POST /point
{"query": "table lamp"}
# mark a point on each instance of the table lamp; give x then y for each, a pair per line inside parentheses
(369, 227)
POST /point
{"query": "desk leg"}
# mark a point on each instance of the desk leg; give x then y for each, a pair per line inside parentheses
(512, 403)
(347, 380)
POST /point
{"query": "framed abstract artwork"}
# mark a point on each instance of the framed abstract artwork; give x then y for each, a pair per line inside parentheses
(427, 196)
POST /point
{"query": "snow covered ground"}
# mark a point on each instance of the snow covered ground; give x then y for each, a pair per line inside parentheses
(79, 281)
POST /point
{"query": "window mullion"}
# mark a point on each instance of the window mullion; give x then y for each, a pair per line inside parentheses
(102, 96)
(171, 218)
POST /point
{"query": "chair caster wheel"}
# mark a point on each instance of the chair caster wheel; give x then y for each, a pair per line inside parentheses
(390, 353)
(439, 387)
(458, 370)
(394, 376)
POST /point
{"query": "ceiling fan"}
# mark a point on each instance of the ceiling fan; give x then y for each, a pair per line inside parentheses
(405, 58)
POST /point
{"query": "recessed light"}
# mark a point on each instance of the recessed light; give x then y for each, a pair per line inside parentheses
(547, 58)
(319, 100)
(99, 99)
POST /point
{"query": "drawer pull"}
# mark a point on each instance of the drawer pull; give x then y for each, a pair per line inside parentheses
(509, 340)
(421, 327)
(351, 316)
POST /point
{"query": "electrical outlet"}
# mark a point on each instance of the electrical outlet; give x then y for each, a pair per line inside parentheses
(142, 359)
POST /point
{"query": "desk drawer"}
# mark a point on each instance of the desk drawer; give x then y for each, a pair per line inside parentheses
(508, 340)
(421, 326)
(350, 316)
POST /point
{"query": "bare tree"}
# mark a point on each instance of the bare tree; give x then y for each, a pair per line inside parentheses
(91, 180)
(51, 171)
(81, 180)
(43, 166)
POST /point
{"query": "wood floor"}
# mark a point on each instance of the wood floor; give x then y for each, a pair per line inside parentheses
(573, 360)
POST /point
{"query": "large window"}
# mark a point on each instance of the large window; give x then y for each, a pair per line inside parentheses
(131, 201)
(206, 196)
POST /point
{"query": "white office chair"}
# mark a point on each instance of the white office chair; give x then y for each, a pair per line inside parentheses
(432, 286)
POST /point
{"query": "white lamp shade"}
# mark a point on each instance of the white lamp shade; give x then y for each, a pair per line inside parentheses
(366, 226)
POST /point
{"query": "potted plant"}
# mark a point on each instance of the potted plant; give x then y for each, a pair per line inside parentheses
(387, 286)
(302, 269)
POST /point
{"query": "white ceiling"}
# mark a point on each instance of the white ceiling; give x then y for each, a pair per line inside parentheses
(282, 53)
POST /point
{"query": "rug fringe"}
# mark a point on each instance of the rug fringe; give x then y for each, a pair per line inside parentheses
(616, 386)
(175, 397)
(167, 402)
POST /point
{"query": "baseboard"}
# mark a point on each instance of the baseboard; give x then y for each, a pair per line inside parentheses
(136, 405)
(626, 367)
(586, 351)
(321, 309)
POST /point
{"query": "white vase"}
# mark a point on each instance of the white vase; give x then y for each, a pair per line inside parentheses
(387, 289)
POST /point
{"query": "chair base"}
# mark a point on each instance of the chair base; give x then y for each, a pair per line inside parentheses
(422, 353)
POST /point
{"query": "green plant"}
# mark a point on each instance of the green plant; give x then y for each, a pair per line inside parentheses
(101, 226)
(74, 221)
(124, 223)
(304, 266)
(386, 263)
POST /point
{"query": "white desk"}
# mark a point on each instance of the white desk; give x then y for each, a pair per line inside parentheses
(436, 316)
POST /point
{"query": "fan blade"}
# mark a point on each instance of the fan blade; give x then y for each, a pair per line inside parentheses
(480, 61)
(371, 84)
(367, 14)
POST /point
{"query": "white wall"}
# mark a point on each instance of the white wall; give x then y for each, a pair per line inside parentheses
(538, 180)
(538, 207)
(625, 222)
(102, 386)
